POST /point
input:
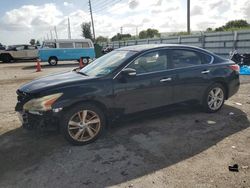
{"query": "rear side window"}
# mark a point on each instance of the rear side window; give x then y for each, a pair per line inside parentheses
(185, 58)
(49, 45)
(20, 48)
(31, 48)
(66, 45)
(206, 59)
(82, 45)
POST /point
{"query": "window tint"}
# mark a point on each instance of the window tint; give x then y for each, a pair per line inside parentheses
(66, 45)
(151, 62)
(49, 45)
(20, 48)
(81, 45)
(31, 47)
(185, 58)
(206, 59)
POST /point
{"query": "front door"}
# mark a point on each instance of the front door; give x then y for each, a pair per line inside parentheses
(151, 86)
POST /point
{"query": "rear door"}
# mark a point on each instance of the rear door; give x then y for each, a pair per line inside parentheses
(20, 52)
(150, 88)
(192, 73)
(32, 52)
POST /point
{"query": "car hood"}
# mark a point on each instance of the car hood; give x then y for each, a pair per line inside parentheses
(53, 81)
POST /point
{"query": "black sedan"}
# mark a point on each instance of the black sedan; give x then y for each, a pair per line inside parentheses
(124, 81)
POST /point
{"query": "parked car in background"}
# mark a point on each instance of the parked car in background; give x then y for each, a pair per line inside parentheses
(124, 81)
(107, 49)
(19, 52)
(66, 49)
(2, 47)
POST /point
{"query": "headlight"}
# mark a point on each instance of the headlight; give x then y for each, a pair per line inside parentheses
(42, 104)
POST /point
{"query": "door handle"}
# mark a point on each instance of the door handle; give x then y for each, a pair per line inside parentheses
(205, 72)
(165, 79)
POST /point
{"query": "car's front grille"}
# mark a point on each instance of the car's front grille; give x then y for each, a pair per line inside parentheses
(22, 96)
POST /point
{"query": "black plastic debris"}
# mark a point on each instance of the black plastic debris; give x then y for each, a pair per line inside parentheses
(234, 168)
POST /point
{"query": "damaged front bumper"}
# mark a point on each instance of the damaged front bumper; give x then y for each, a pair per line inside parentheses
(39, 120)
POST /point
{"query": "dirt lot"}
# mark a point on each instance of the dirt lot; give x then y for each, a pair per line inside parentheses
(179, 147)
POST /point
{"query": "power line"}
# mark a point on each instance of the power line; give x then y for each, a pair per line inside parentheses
(107, 5)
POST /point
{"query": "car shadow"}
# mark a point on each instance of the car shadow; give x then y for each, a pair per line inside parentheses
(134, 147)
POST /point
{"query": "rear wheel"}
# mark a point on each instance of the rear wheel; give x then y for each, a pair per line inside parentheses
(214, 98)
(53, 61)
(83, 124)
(7, 58)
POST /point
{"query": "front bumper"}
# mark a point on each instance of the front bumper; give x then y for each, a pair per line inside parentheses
(41, 121)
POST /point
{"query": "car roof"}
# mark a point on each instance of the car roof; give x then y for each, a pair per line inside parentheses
(144, 47)
(68, 40)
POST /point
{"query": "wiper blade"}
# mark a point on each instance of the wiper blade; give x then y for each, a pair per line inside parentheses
(82, 73)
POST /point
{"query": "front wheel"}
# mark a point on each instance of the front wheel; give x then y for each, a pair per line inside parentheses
(53, 61)
(214, 98)
(83, 124)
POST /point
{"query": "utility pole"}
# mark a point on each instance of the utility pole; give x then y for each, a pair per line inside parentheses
(69, 32)
(136, 31)
(121, 30)
(188, 16)
(47, 36)
(55, 32)
(92, 21)
(51, 35)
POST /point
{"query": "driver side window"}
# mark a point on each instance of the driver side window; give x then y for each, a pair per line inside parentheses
(150, 62)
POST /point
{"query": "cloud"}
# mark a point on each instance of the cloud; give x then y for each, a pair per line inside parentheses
(196, 10)
(133, 4)
(30, 21)
(67, 4)
(29, 16)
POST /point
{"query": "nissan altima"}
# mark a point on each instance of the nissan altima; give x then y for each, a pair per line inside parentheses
(124, 81)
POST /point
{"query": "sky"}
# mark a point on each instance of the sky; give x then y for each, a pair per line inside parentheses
(21, 20)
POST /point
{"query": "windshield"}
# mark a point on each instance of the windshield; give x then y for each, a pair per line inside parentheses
(107, 63)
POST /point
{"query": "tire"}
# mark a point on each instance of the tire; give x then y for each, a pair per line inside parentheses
(7, 58)
(213, 102)
(53, 61)
(85, 60)
(80, 132)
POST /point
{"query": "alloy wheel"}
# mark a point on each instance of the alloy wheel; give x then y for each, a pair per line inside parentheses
(84, 125)
(215, 98)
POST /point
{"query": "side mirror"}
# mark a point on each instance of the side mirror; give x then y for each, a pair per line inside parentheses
(128, 72)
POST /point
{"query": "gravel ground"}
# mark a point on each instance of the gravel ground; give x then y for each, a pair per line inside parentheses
(176, 147)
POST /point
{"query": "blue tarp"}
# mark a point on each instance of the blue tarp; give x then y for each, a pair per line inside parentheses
(245, 70)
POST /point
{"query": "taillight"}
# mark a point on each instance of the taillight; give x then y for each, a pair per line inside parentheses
(235, 67)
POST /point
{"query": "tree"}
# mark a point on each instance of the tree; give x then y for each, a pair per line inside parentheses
(236, 24)
(149, 33)
(119, 36)
(32, 42)
(233, 25)
(101, 39)
(38, 43)
(86, 30)
(143, 35)
(209, 29)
